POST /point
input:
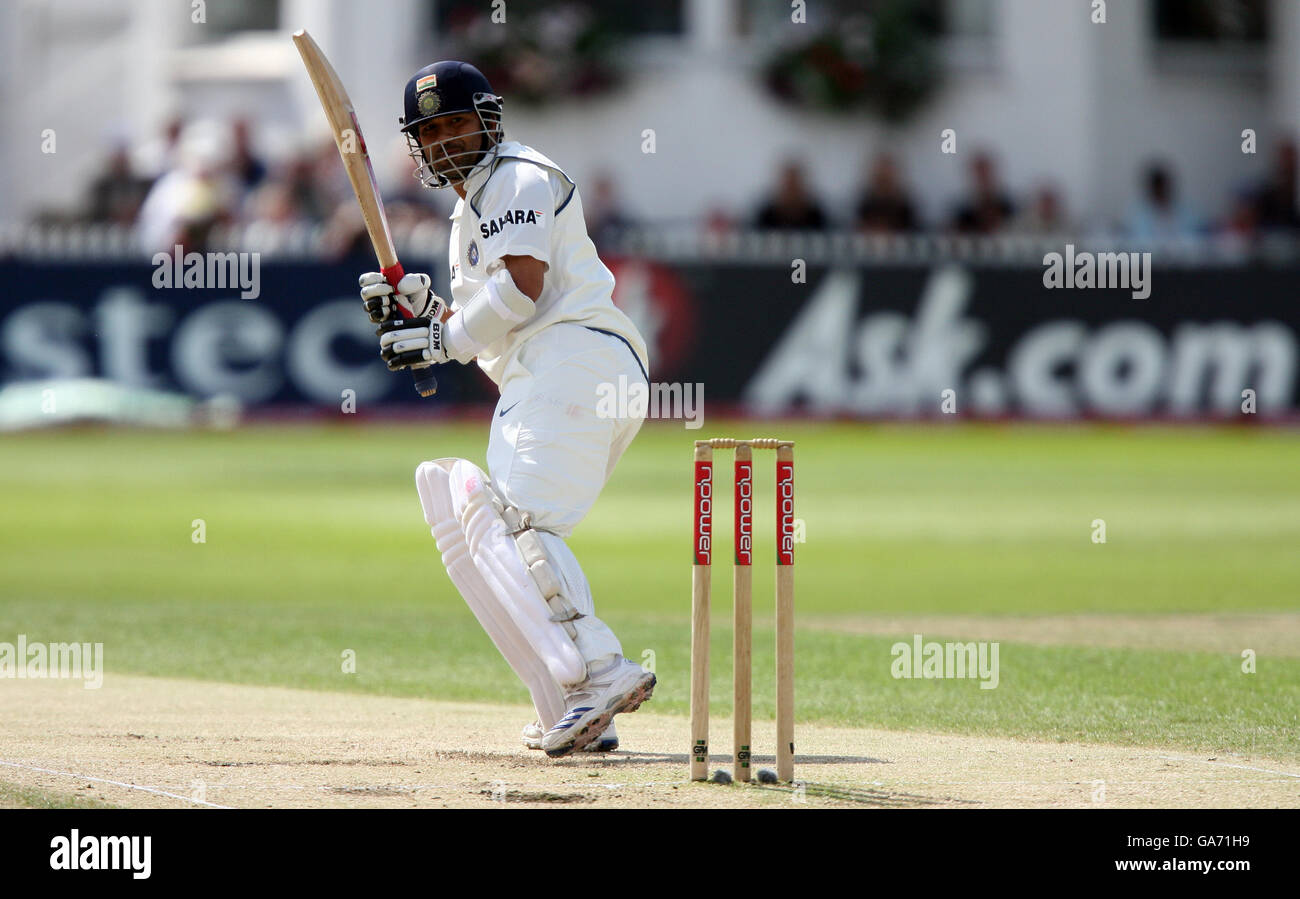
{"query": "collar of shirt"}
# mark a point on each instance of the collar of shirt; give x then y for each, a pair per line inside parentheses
(473, 183)
(480, 175)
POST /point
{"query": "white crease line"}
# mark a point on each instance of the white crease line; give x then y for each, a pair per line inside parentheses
(116, 783)
(1174, 758)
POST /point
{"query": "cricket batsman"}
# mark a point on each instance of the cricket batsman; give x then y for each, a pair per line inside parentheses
(531, 304)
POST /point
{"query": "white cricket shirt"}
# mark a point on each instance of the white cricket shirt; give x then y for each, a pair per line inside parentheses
(523, 204)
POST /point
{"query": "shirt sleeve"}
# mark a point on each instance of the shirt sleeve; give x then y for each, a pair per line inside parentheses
(515, 213)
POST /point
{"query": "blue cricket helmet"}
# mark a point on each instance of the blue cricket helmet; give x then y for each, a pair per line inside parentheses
(444, 88)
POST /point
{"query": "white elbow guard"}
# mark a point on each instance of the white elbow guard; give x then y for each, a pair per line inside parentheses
(497, 308)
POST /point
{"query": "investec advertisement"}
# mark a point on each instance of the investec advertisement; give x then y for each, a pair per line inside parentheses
(852, 340)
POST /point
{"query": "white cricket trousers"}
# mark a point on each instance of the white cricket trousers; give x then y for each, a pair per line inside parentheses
(550, 454)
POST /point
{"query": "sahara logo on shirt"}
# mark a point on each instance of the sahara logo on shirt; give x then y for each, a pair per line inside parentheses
(512, 217)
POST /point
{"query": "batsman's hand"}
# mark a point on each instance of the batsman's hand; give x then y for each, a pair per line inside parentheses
(413, 293)
(411, 343)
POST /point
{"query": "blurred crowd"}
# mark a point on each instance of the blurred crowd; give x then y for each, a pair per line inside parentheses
(206, 175)
(198, 176)
(884, 204)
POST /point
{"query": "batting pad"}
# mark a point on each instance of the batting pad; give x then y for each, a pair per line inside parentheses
(433, 482)
(495, 556)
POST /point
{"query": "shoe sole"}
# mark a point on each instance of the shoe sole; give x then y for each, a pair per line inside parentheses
(597, 746)
(596, 726)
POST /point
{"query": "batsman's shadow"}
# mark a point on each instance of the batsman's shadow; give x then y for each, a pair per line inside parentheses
(802, 790)
(876, 795)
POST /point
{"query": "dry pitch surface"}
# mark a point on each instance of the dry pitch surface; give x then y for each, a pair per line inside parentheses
(152, 742)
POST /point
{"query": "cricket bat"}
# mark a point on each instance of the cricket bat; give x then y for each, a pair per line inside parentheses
(356, 161)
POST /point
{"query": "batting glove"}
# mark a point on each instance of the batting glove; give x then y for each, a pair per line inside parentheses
(412, 293)
(411, 343)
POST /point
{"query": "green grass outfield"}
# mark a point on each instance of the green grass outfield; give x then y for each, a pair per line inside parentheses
(315, 544)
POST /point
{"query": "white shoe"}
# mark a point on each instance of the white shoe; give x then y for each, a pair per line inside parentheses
(621, 687)
(608, 742)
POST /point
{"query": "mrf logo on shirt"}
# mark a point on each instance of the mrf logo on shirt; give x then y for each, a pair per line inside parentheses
(512, 217)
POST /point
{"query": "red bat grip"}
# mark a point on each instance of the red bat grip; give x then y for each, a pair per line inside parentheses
(392, 275)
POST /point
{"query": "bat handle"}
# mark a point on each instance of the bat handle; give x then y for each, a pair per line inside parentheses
(426, 383)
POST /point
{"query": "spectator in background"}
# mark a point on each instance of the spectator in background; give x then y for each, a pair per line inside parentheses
(311, 193)
(1275, 205)
(1158, 215)
(884, 206)
(273, 217)
(605, 217)
(247, 169)
(1044, 214)
(988, 209)
(186, 202)
(792, 206)
(117, 193)
(161, 154)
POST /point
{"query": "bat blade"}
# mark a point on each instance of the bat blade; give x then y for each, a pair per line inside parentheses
(351, 145)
